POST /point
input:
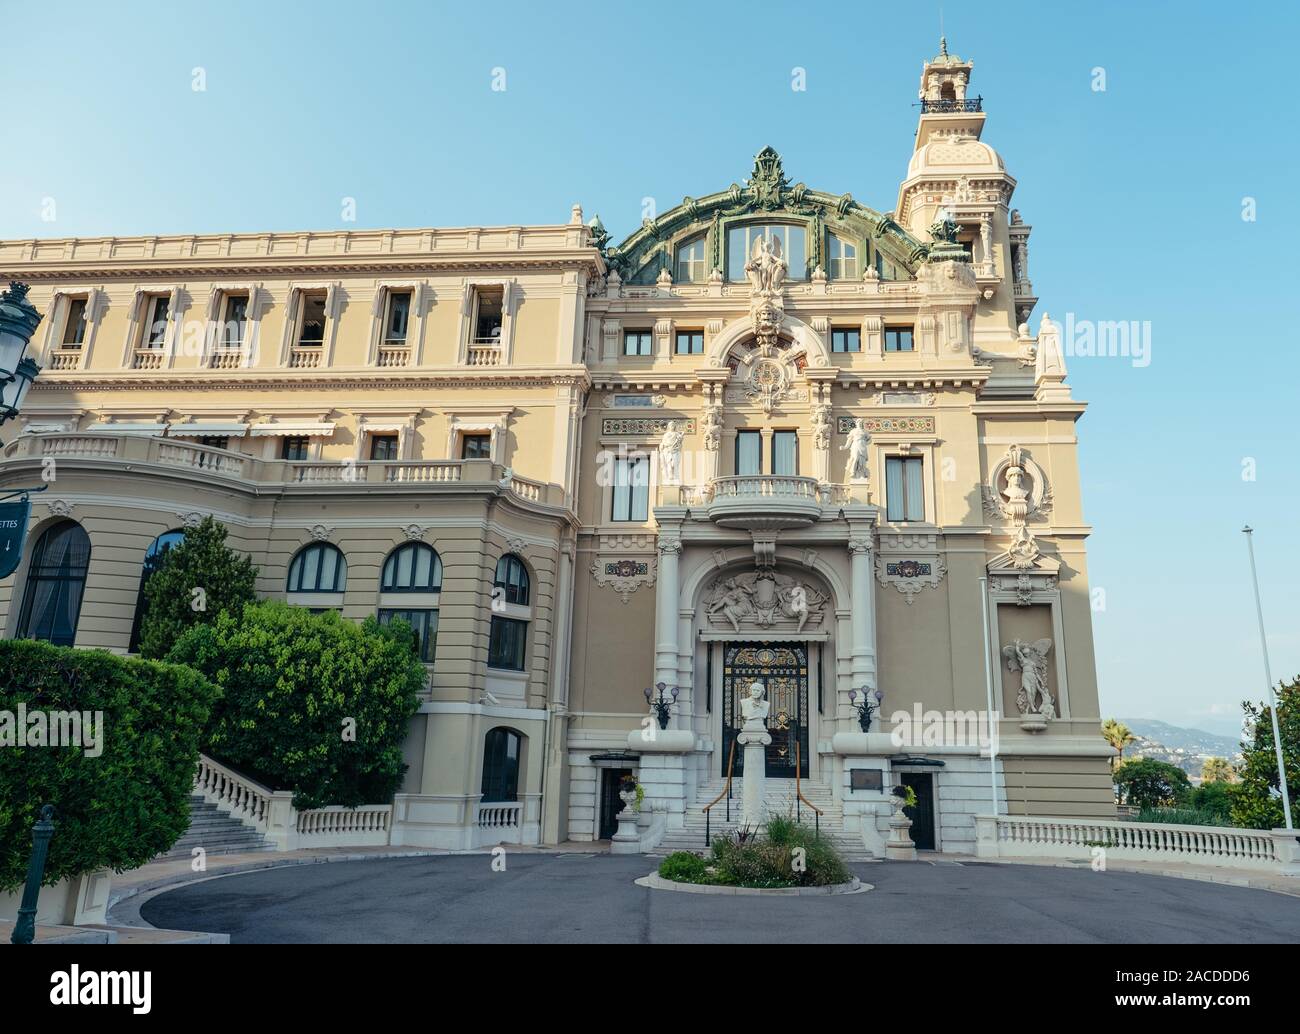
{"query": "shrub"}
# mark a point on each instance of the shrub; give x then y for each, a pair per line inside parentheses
(684, 867)
(1257, 800)
(1215, 799)
(200, 561)
(128, 804)
(742, 860)
(312, 703)
(1149, 783)
(1182, 816)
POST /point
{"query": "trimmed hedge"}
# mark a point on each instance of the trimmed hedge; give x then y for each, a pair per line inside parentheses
(295, 685)
(119, 809)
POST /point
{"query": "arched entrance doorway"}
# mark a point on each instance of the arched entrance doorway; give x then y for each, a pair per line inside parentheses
(782, 668)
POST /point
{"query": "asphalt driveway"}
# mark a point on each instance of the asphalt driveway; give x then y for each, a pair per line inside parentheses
(579, 898)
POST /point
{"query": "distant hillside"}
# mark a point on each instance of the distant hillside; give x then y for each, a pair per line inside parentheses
(1186, 748)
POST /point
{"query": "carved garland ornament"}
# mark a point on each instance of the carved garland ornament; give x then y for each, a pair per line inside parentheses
(909, 575)
(624, 575)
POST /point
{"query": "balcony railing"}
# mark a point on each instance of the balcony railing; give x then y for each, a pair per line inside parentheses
(765, 501)
(304, 357)
(951, 106)
(393, 353)
(137, 451)
(484, 353)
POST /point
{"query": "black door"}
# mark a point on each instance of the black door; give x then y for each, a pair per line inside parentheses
(922, 815)
(610, 802)
(783, 670)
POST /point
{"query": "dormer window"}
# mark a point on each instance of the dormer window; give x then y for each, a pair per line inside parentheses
(690, 263)
(842, 258)
(794, 248)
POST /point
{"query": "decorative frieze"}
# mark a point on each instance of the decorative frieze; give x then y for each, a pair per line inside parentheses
(624, 575)
(909, 575)
(643, 425)
(889, 424)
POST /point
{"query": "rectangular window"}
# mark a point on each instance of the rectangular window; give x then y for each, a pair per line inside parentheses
(383, 447)
(232, 325)
(785, 453)
(155, 331)
(690, 263)
(214, 441)
(749, 452)
(794, 251)
(843, 259)
(846, 339)
(506, 642)
(898, 339)
(397, 317)
(423, 622)
(631, 489)
(294, 448)
(74, 327)
(690, 342)
(638, 342)
(489, 308)
(904, 489)
(476, 447)
(311, 329)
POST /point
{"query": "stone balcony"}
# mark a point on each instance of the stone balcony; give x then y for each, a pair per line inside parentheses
(171, 456)
(772, 502)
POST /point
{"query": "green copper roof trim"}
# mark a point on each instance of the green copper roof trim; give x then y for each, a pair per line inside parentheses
(767, 191)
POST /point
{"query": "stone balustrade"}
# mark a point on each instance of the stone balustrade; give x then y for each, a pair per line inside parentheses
(1018, 836)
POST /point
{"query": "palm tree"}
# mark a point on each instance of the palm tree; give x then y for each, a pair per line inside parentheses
(1119, 736)
(1217, 770)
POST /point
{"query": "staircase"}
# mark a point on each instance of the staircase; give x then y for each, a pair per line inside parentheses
(779, 799)
(216, 832)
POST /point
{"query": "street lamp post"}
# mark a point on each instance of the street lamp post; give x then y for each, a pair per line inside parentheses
(1268, 674)
(18, 322)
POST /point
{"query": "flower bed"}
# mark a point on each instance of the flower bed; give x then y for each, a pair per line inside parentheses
(788, 855)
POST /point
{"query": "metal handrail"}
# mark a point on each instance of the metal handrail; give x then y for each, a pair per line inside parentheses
(726, 792)
(798, 791)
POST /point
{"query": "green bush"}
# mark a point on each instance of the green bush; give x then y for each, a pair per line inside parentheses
(1148, 783)
(199, 578)
(1183, 816)
(788, 855)
(312, 703)
(1257, 799)
(128, 804)
(683, 867)
(1214, 799)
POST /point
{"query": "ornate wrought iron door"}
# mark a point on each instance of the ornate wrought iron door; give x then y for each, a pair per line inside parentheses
(783, 669)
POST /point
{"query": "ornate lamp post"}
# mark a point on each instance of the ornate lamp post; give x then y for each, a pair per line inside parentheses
(662, 705)
(25, 928)
(18, 322)
(870, 705)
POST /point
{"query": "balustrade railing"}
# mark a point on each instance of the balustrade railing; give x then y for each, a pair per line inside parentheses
(951, 106)
(499, 815)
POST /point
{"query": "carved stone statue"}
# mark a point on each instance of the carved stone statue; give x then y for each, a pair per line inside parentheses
(712, 426)
(821, 420)
(764, 598)
(766, 268)
(670, 453)
(858, 467)
(754, 708)
(1030, 659)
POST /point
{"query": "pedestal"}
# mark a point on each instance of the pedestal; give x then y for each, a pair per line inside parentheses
(752, 812)
(899, 846)
(627, 840)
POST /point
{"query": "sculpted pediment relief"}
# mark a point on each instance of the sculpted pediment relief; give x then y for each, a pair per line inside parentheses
(763, 599)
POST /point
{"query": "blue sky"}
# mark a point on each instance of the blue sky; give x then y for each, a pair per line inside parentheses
(1135, 194)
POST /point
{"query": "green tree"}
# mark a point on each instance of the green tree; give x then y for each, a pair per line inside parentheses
(312, 703)
(1257, 802)
(199, 578)
(1217, 770)
(1148, 783)
(123, 796)
(1119, 736)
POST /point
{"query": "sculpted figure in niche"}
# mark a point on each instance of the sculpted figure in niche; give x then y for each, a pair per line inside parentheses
(767, 267)
(858, 467)
(670, 453)
(1030, 659)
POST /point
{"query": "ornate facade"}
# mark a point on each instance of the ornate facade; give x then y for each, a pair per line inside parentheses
(773, 434)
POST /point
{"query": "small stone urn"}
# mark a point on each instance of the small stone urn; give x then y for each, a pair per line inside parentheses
(899, 846)
(627, 840)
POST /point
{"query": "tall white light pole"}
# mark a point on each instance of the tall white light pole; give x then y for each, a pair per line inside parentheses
(1268, 674)
(988, 686)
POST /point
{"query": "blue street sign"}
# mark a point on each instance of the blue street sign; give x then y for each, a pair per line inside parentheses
(13, 530)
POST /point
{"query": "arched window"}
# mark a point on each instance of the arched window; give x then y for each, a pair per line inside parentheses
(794, 248)
(690, 262)
(56, 581)
(501, 749)
(512, 578)
(413, 567)
(319, 567)
(153, 559)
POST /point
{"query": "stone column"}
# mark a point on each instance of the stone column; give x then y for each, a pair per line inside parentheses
(754, 782)
(863, 603)
(666, 591)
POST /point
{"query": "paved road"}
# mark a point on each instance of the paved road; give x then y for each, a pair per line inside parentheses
(583, 898)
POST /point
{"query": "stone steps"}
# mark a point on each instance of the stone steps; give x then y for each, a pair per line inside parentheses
(216, 832)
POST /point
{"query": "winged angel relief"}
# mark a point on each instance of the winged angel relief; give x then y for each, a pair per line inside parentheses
(767, 267)
(1030, 659)
(764, 598)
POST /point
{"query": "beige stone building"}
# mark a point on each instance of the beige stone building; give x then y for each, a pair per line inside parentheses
(773, 435)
